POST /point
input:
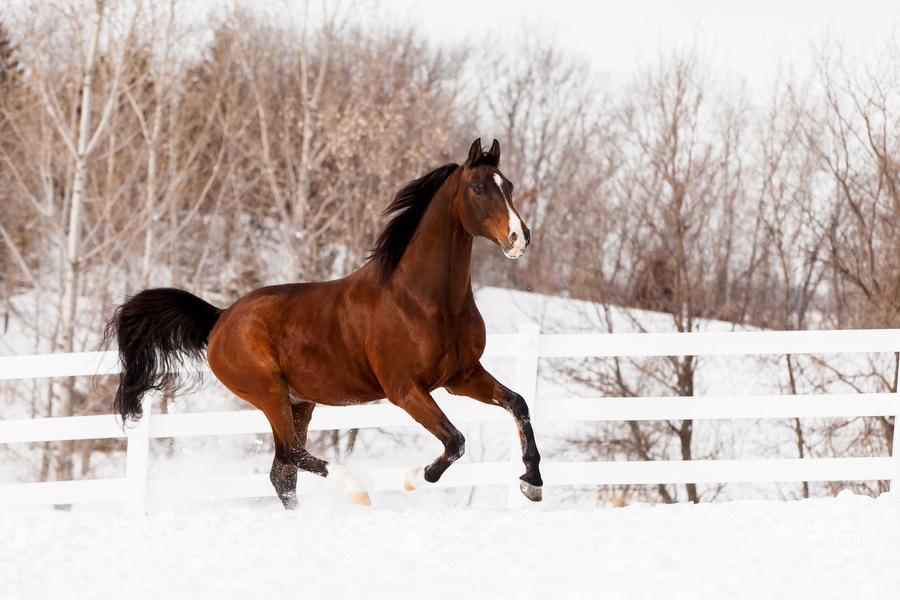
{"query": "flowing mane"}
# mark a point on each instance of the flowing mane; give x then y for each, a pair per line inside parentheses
(406, 210)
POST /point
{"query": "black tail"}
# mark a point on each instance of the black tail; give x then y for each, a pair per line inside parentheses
(156, 330)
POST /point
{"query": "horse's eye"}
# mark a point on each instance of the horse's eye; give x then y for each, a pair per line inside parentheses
(477, 189)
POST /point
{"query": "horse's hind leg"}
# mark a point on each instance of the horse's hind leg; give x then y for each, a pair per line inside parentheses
(289, 427)
(284, 471)
(353, 489)
(289, 423)
(284, 479)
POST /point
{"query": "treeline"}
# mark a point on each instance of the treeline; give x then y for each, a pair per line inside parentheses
(249, 150)
(140, 148)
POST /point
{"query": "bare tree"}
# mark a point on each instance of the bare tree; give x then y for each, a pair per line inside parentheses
(788, 255)
(75, 58)
(853, 134)
(855, 137)
(13, 221)
(549, 108)
(679, 241)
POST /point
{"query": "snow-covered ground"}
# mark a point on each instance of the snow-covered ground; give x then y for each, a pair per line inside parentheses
(442, 543)
(842, 547)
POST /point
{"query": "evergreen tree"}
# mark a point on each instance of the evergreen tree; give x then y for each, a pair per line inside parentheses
(10, 67)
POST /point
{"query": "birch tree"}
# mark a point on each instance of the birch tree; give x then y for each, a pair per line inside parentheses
(77, 91)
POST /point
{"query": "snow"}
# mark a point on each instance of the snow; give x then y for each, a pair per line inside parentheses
(818, 548)
(443, 543)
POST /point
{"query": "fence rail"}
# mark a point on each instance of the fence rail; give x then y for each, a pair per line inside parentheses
(527, 346)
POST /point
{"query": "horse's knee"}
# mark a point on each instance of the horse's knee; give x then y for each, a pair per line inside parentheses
(517, 406)
(456, 447)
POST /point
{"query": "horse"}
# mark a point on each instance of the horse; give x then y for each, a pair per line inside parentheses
(401, 326)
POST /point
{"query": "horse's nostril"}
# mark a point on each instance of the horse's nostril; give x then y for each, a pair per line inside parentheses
(513, 237)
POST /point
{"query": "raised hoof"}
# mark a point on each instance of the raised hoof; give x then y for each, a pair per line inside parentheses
(353, 489)
(360, 498)
(532, 492)
(414, 479)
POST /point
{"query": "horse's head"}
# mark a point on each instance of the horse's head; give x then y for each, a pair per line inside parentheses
(486, 207)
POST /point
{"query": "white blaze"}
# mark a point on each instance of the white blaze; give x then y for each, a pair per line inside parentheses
(515, 223)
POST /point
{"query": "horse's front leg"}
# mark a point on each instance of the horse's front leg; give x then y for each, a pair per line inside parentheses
(422, 407)
(477, 383)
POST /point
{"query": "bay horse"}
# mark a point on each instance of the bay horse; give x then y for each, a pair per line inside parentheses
(401, 326)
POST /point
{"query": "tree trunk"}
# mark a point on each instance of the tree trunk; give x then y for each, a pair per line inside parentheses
(150, 198)
(686, 431)
(72, 272)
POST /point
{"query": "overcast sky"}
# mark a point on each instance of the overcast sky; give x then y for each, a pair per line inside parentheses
(747, 37)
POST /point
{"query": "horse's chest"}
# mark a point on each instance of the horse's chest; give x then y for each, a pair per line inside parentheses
(429, 346)
(457, 346)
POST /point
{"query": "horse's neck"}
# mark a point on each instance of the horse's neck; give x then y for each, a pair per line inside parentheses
(437, 265)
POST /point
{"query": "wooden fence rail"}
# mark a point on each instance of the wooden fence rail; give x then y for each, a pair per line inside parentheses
(528, 346)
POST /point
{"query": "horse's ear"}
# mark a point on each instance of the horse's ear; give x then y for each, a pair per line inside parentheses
(495, 151)
(474, 152)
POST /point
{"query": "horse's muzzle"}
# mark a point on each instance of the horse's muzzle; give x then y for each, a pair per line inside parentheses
(514, 246)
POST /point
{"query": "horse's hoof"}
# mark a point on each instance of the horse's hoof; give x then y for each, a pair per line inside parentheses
(290, 503)
(532, 492)
(360, 498)
(354, 491)
(414, 479)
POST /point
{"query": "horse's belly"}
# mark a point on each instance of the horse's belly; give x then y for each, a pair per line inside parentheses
(330, 399)
(335, 384)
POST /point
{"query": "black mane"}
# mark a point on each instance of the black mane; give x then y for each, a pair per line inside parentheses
(406, 212)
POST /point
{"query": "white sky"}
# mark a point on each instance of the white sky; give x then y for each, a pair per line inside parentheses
(746, 37)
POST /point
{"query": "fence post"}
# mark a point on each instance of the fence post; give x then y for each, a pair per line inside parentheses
(526, 385)
(137, 464)
(895, 444)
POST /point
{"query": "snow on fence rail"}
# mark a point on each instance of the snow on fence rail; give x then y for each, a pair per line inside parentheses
(527, 346)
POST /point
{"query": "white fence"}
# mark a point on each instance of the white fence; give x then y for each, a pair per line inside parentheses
(527, 346)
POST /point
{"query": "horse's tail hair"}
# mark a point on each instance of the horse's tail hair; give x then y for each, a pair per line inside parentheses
(156, 330)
